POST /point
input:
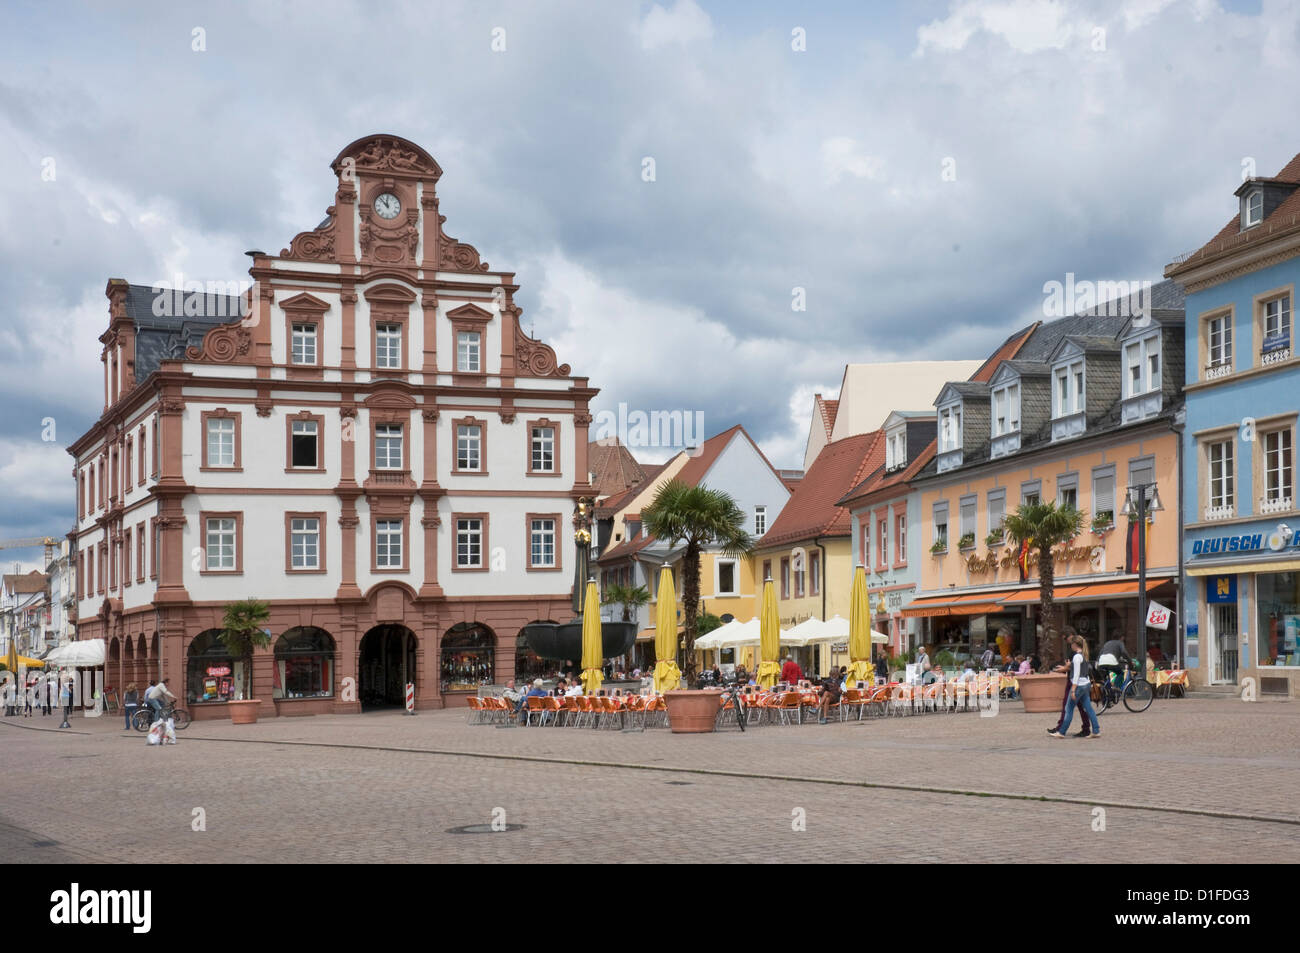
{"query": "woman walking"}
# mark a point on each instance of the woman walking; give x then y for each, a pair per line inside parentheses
(1080, 676)
(130, 703)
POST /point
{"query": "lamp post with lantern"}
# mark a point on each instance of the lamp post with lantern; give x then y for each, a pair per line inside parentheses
(1142, 499)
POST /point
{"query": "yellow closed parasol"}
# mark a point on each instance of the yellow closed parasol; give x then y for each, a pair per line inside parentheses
(769, 638)
(592, 645)
(667, 674)
(860, 668)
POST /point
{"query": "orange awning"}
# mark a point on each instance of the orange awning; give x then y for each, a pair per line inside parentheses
(1031, 596)
(972, 603)
(933, 606)
(1080, 593)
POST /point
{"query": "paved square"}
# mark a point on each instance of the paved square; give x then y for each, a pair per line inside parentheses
(1189, 780)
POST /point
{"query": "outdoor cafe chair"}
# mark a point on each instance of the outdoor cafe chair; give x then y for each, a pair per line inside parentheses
(854, 699)
(790, 705)
(536, 707)
(475, 710)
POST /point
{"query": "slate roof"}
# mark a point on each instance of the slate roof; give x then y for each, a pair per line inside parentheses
(165, 336)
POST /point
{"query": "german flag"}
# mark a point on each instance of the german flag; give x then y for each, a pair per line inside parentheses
(1133, 540)
(1022, 560)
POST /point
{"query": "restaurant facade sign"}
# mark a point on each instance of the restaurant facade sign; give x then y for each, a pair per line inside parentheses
(1276, 541)
(992, 560)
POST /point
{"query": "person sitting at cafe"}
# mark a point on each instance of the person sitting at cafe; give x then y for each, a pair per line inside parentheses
(933, 675)
(830, 694)
(512, 695)
(574, 690)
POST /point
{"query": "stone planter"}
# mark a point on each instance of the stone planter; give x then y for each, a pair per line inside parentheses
(1042, 693)
(243, 712)
(693, 711)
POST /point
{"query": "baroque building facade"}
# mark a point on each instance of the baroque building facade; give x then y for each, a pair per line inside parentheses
(365, 439)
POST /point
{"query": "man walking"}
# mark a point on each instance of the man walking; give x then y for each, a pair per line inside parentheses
(1083, 732)
(791, 672)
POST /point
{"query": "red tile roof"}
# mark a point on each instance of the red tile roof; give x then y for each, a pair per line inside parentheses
(610, 506)
(812, 509)
(1284, 218)
(828, 409)
(34, 581)
(615, 468)
(1009, 349)
(624, 549)
(880, 480)
(697, 467)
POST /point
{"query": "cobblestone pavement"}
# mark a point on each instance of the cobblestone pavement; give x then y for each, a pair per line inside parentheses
(388, 788)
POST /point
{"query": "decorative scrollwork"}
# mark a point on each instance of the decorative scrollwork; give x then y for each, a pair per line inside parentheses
(314, 245)
(536, 359)
(223, 344)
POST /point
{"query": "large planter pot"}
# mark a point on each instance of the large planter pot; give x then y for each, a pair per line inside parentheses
(693, 711)
(1042, 693)
(243, 712)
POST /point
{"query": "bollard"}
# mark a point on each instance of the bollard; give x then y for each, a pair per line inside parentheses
(410, 698)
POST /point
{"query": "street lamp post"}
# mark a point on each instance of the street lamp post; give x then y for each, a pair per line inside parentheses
(1142, 498)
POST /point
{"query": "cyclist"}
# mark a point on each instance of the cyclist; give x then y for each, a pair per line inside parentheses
(156, 695)
(1114, 658)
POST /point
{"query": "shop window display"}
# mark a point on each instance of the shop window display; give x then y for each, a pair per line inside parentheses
(1278, 598)
(468, 657)
(211, 673)
(304, 664)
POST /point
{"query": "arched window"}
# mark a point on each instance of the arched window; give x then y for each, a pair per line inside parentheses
(304, 664)
(211, 673)
(468, 657)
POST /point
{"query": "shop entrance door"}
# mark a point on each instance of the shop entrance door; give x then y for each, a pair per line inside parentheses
(1223, 617)
(387, 663)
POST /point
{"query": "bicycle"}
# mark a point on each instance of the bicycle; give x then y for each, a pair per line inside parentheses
(143, 717)
(1136, 694)
(735, 693)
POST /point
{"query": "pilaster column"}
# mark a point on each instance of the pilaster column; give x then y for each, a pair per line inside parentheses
(348, 362)
(429, 305)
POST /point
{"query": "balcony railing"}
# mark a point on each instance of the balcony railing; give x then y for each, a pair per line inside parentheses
(1275, 353)
(1215, 371)
(1225, 512)
(1280, 504)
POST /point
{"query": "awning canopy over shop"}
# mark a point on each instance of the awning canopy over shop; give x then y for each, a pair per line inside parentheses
(974, 603)
(1280, 565)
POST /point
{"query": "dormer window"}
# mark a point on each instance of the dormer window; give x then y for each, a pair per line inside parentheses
(896, 449)
(950, 429)
(1142, 366)
(1068, 390)
(1006, 409)
(1254, 207)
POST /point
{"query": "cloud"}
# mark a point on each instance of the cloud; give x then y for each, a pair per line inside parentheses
(683, 25)
(842, 156)
(1028, 26)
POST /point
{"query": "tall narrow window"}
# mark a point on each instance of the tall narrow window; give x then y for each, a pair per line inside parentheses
(467, 352)
(126, 558)
(1277, 469)
(900, 539)
(785, 577)
(469, 440)
(1219, 339)
(304, 543)
(541, 542)
(1277, 329)
(304, 344)
(469, 543)
(388, 544)
(139, 553)
(1254, 208)
(388, 447)
(1222, 498)
(882, 542)
(543, 449)
(221, 544)
(221, 442)
(306, 448)
(760, 520)
(815, 574)
(388, 345)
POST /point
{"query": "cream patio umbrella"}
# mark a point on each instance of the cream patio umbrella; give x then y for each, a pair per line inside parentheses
(860, 668)
(769, 669)
(667, 675)
(592, 645)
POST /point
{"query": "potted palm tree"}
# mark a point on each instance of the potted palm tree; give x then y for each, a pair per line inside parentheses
(695, 517)
(243, 628)
(1041, 526)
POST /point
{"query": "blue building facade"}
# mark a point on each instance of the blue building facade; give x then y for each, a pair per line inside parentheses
(1241, 525)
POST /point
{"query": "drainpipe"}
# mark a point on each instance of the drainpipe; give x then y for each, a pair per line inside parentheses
(817, 542)
(1178, 426)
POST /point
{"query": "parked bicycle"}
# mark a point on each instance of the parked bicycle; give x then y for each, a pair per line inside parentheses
(735, 693)
(1136, 693)
(143, 718)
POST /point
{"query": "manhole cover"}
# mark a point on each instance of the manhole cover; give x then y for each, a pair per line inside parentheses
(485, 829)
(45, 843)
(679, 782)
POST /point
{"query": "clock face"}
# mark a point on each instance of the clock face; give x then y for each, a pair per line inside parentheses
(387, 205)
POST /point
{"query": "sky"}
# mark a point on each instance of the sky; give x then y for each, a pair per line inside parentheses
(669, 180)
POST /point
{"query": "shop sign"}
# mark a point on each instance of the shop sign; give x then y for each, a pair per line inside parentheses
(894, 598)
(1276, 541)
(1221, 589)
(991, 561)
(218, 670)
(1157, 616)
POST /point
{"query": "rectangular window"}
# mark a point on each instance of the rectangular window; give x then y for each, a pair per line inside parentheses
(1142, 472)
(941, 526)
(305, 438)
(153, 547)
(469, 441)
(304, 543)
(1103, 493)
(388, 447)
(760, 520)
(126, 467)
(126, 558)
(467, 352)
(882, 543)
(726, 577)
(541, 537)
(1067, 496)
(968, 519)
(140, 463)
(81, 575)
(139, 553)
(1000, 424)
(221, 541)
(303, 349)
(1031, 491)
(1219, 337)
(950, 429)
(388, 544)
(1062, 392)
(543, 449)
(1255, 208)
(221, 442)
(785, 577)
(1221, 490)
(1133, 364)
(1277, 325)
(815, 573)
(469, 543)
(153, 444)
(388, 345)
(1277, 466)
